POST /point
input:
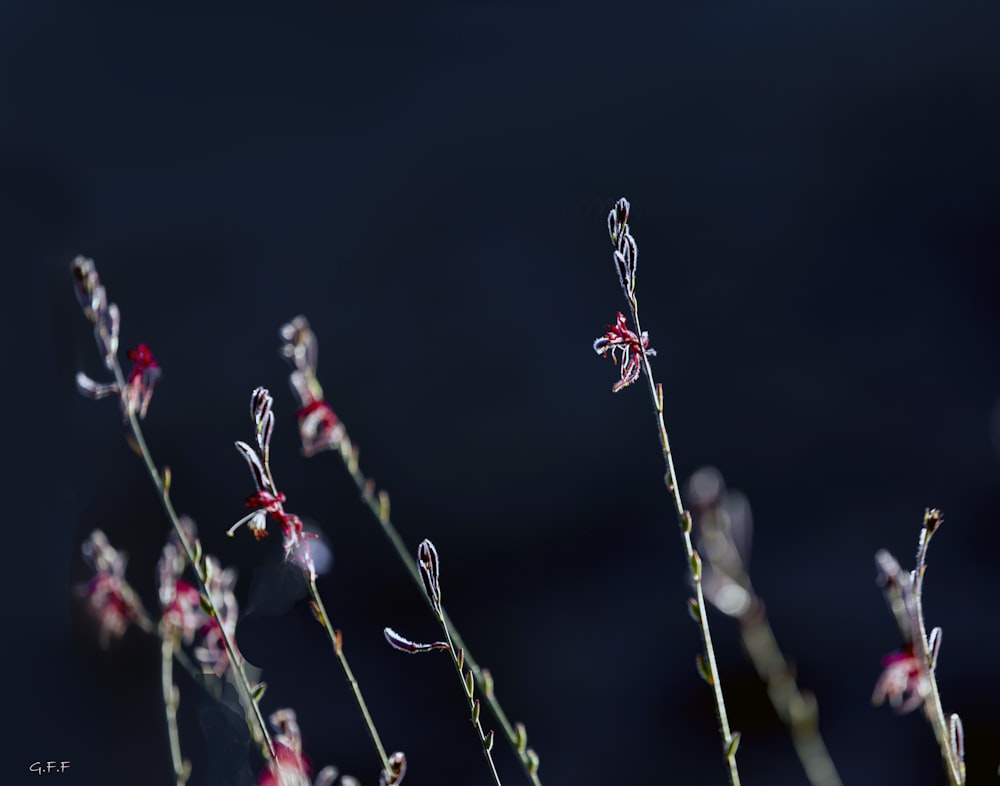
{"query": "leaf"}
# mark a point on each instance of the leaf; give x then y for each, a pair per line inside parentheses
(703, 669)
(734, 743)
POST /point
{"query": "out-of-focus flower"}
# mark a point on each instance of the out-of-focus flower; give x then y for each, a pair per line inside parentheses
(290, 767)
(619, 338)
(212, 654)
(138, 390)
(141, 380)
(903, 682)
(182, 610)
(319, 427)
(110, 599)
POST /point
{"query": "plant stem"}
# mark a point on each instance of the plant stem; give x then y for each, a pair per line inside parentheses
(933, 710)
(796, 709)
(693, 560)
(168, 642)
(487, 748)
(336, 640)
(235, 659)
(379, 509)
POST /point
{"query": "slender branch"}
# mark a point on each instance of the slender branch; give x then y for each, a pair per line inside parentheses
(336, 639)
(730, 741)
(910, 674)
(728, 588)
(484, 679)
(457, 658)
(430, 577)
(321, 430)
(133, 398)
(933, 710)
(235, 659)
(168, 646)
(797, 709)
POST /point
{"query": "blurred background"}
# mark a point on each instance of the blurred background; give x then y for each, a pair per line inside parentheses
(816, 200)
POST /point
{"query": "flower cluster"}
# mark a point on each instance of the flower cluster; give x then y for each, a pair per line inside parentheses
(182, 613)
(634, 347)
(137, 391)
(319, 427)
(267, 500)
(110, 599)
(619, 338)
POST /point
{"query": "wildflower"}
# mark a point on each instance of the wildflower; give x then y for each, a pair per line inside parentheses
(620, 338)
(138, 390)
(319, 427)
(903, 682)
(212, 653)
(267, 500)
(180, 603)
(110, 599)
(290, 767)
(181, 607)
(141, 380)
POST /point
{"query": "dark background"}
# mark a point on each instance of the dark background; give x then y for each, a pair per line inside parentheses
(815, 199)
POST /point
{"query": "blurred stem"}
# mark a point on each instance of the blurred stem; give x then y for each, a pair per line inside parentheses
(168, 646)
(797, 710)
(693, 559)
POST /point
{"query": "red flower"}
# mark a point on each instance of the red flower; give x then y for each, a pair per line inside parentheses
(903, 682)
(141, 380)
(620, 338)
(110, 598)
(267, 500)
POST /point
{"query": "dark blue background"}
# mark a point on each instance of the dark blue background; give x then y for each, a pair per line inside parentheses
(816, 196)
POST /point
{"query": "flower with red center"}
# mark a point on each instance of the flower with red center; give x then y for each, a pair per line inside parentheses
(141, 379)
(267, 500)
(903, 682)
(619, 338)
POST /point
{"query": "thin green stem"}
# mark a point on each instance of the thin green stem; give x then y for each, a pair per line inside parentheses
(693, 559)
(235, 659)
(468, 692)
(336, 640)
(380, 510)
